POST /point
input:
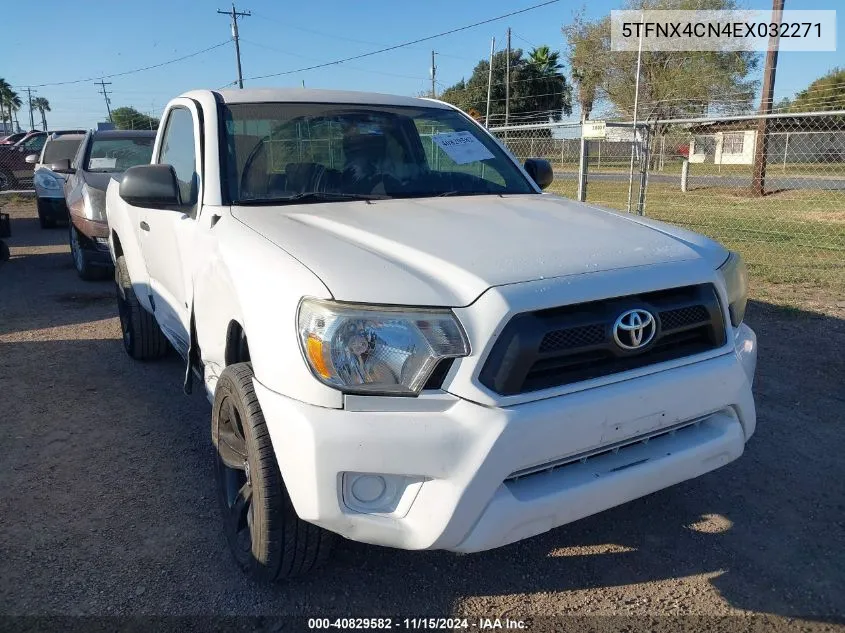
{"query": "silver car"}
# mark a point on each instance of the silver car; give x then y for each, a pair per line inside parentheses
(49, 185)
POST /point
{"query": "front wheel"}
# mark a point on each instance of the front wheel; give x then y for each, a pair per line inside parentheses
(84, 268)
(45, 219)
(268, 540)
(142, 337)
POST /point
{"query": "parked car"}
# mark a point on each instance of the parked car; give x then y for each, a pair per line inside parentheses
(15, 171)
(12, 138)
(404, 340)
(101, 156)
(49, 185)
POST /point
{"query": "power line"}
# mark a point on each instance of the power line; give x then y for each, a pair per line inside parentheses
(359, 68)
(332, 36)
(134, 70)
(235, 15)
(519, 37)
(405, 44)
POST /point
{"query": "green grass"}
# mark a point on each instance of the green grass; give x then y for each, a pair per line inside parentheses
(791, 238)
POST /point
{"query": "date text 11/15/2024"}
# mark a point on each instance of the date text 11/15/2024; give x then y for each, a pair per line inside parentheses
(432, 624)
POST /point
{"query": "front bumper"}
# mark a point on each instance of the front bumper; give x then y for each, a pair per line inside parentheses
(466, 454)
(52, 208)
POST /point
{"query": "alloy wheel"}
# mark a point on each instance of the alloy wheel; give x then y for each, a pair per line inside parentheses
(234, 478)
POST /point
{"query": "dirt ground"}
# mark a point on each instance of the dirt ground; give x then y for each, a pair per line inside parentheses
(107, 502)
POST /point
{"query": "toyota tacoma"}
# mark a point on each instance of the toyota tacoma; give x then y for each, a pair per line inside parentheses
(408, 343)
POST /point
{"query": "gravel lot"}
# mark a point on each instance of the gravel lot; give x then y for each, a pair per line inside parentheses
(108, 506)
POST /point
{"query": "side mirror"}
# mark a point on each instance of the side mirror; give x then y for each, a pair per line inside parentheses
(60, 166)
(32, 159)
(152, 186)
(540, 171)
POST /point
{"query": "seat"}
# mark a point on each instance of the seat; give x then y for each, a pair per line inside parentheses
(304, 177)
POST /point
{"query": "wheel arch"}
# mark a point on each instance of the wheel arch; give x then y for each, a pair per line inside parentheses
(237, 344)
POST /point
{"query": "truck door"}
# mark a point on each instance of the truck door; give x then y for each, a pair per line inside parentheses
(167, 236)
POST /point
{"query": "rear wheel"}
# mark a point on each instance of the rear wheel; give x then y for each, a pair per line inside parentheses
(4, 251)
(142, 338)
(268, 540)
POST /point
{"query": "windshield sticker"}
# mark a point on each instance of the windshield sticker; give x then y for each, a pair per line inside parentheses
(102, 163)
(462, 147)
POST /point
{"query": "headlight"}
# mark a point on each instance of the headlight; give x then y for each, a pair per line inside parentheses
(736, 281)
(47, 180)
(370, 349)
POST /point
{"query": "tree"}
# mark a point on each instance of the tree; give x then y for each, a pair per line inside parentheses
(672, 84)
(42, 105)
(586, 53)
(546, 60)
(9, 100)
(538, 91)
(4, 86)
(825, 93)
(128, 118)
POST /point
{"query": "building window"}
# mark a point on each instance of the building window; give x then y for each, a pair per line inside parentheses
(732, 143)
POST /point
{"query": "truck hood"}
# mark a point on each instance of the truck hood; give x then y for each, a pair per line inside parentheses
(448, 251)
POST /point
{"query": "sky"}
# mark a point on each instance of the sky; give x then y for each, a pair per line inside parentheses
(91, 38)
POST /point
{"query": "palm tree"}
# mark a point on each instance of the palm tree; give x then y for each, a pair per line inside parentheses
(42, 105)
(4, 87)
(11, 100)
(547, 60)
(14, 102)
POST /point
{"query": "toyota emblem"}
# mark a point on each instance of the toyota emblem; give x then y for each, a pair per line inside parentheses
(634, 329)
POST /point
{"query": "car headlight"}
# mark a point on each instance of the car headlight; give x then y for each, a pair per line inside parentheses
(376, 349)
(735, 275)
(47, 180)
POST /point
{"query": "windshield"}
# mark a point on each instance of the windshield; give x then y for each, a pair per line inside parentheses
(60, 149)
(34, 143)
(118, 154)
(335, 152)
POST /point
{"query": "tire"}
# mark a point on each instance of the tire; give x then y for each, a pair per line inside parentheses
(142, 337)
(4, 251)
(80, 260)
(44, 219)
(268, 540)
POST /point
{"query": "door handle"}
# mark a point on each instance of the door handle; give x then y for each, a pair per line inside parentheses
(144, 226)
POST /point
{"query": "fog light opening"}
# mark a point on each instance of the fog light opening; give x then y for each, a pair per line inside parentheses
(382, 494)
(368, 488)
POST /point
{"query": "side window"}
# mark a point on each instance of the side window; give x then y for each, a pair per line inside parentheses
(178, 149)
(76, 162)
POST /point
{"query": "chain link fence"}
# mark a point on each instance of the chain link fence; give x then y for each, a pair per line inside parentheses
(700, 174)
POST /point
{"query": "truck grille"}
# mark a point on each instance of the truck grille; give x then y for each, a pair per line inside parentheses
(560, 346)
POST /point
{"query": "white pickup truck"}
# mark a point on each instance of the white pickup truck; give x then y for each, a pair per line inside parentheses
(404, 340)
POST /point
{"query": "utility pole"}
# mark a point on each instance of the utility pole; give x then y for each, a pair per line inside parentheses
(235, 15)
(105, 94)
(490, 81)
(636, 110)
(761, 143)
(508, 81)
(433, 75)
(29, 97)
